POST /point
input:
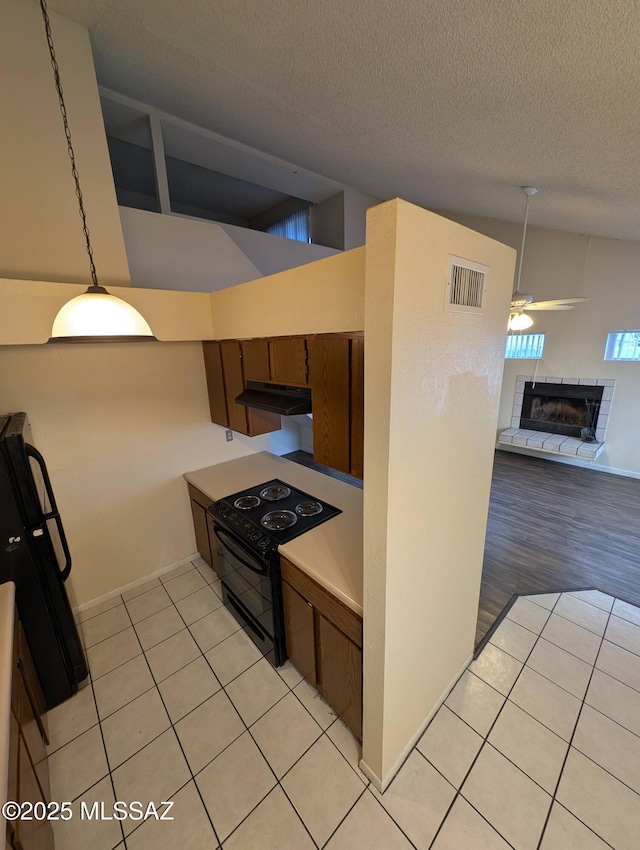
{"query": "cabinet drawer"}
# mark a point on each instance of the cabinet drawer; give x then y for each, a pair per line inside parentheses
(344, 618)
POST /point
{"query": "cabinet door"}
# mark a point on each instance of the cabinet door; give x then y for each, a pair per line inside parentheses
(30, 731)
(201, 529)
(288, 358)
(30, 834)
(243, 419)
(234, 384)
(31, 681)
(299, 632)
(339, 673)
(215, 383)
(356, 434)
(255, 359)
(330, 386)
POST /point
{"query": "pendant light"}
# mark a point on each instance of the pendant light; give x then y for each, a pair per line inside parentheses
(94, 316)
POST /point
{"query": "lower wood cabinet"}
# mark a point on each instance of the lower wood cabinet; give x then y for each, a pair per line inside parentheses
(324, 641)
(28, 777)
(199, 503)
(299, 629)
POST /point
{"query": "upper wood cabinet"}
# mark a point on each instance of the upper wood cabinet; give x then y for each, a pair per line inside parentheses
(255, 359)
(215, 382)
(337, 391)
(289, 360)
(223, 363)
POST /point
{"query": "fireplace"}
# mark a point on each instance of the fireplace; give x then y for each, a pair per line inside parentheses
(566, 416)
(558, 408)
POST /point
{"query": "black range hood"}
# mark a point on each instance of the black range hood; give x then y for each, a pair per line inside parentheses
(276, 398)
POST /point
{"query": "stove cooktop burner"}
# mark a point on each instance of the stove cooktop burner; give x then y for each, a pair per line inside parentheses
(245, 503)
(308, 508)
(278, 520)
(263, 525)
(275, 492)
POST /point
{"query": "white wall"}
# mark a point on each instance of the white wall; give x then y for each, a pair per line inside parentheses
(41, 230)
(606, 271)
(356, 205)
(118, 426)
(432, 389)
(175, 252)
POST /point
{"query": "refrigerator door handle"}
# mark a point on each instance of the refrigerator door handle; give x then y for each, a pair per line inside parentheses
(53, 513)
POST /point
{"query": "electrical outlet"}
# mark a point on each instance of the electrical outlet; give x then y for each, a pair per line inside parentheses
(229, 435)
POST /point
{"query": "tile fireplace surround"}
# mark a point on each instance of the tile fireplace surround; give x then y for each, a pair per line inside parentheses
(558, 443)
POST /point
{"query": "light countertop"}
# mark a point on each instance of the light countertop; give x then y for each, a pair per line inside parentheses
(7, 602)
(331, 553)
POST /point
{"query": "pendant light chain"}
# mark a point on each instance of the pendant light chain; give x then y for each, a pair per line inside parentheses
(67, 132)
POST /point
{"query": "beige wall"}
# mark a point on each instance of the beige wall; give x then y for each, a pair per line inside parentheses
(607, 271)
(432, 389)
(41, 230)
(118, 426)
(28, 308)
(324, 296)
(120, 423)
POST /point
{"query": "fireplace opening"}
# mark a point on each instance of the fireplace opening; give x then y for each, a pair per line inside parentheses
(569, 409)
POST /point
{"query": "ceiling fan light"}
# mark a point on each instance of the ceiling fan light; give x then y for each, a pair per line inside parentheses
(96, 315)
(520, 322)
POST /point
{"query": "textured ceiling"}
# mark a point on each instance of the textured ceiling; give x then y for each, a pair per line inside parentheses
(450, 104)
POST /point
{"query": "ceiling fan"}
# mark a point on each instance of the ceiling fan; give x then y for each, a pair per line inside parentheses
(522, 302)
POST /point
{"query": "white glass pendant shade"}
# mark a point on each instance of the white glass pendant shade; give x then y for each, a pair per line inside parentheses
(520, 322)
(98, 315)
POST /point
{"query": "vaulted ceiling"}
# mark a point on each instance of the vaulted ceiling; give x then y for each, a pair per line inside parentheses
(451, 104)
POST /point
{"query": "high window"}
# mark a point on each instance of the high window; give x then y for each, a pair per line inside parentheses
(622, 345)
(294, 226)
(524, 346)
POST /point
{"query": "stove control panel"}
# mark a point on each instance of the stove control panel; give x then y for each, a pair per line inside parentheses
(243, 528)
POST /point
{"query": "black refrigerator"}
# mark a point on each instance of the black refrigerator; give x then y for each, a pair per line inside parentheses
(34, 554)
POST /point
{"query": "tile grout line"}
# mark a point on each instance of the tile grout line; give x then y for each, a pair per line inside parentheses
(323, 732)
(193, 778)
(566, 756)
(106, 755)
(486, 737)
(235, 739)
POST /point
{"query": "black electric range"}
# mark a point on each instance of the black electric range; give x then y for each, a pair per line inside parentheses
(248, 527)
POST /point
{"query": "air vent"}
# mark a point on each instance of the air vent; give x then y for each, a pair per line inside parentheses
(466, 286)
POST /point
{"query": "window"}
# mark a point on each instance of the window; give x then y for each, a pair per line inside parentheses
(622, 345)
(294, 226)
(524, 346)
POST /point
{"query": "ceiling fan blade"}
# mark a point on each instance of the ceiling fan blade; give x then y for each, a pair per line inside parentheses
(546, 305)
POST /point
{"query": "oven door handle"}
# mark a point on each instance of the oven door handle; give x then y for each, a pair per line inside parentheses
(219, 533)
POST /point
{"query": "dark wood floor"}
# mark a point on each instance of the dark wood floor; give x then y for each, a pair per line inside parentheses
(551, 527)
(558, 527)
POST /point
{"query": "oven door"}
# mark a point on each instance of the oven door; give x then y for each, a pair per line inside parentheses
(246, 577)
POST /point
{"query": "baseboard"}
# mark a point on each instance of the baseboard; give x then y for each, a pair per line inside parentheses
(567, 459)
(382, 784)
(136, 583)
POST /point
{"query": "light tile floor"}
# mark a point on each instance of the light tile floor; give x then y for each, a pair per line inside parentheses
(537, 747)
